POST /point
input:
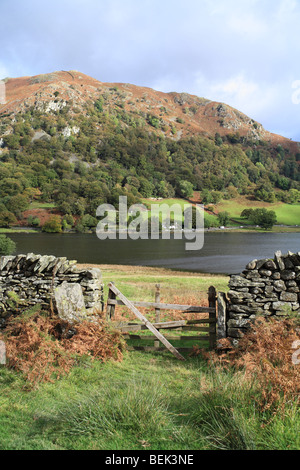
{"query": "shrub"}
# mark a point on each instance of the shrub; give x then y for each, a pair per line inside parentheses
(186, 189)
(266, 219)
(7, 246)
(18, 204)
(262, 217)
(44, 349)
(223, 218)
(33, 221)
(265, 354)
(89, 221)
(53, 225)
(247, 213)
(7, 219)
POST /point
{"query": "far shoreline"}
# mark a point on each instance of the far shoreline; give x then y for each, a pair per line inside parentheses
(241, 229)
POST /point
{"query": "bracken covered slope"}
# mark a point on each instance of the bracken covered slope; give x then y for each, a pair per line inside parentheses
(176, 115)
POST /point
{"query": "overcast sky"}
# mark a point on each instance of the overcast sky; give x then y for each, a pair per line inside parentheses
(245, 53)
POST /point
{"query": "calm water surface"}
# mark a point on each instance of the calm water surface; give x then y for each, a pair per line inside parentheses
(222, 252)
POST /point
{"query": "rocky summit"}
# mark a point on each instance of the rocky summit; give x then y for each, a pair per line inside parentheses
(174, 115)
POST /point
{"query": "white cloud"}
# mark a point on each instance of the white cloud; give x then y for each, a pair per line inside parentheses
(247, 24)
(3, 71)
(253, 98)
(237, 88)
(286, 8)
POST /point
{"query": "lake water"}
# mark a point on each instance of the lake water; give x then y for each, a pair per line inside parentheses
(223, 252)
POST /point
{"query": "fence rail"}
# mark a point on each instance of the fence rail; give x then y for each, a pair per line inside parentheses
(160, 306)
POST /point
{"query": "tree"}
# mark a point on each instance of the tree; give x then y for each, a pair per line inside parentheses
(88, 221)
(186, 189)
(265, 193)
(7, 245)
(206, 196)
(223, 218)
(264, 218)
(17, 204)
(7, 219)
(68, 221)
(218, 139)
(53, 225)
(33, 221)
(294, 196)
(247, 213)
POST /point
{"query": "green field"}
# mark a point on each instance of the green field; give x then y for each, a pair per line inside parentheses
(42, 205)
(18, 230)
(138, 283)
(287, 214)
(182, 203)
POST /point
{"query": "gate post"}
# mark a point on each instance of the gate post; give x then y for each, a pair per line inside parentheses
(222, 315)
(157, 310)
(110, 310)
(212, 301)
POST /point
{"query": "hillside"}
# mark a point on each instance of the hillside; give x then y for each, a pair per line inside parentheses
(199, 115)
(70, 142)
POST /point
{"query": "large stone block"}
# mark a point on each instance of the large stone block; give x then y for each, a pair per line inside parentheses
(69, 302)
(288, 297)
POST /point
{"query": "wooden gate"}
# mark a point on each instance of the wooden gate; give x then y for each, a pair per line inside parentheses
(198, 326)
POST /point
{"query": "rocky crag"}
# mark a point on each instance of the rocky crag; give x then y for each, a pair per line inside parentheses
(188, 115)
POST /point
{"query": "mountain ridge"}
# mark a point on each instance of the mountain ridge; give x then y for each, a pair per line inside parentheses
(179, 115)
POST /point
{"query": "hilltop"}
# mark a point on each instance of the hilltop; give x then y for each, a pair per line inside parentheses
(178, 115)
(69, 143)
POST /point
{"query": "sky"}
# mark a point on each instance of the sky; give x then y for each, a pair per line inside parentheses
(245, 53)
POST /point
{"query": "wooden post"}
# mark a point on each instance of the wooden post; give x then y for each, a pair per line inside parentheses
(222, 315)
(212, 316)
(157, 310)
(52, 288)
(157, 301)
(110, 310)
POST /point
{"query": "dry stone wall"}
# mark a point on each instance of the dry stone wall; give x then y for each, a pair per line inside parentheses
(268, 287)
(28, 280)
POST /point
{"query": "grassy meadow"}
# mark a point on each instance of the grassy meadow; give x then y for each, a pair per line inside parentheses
(146, 401)
(287, 214)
